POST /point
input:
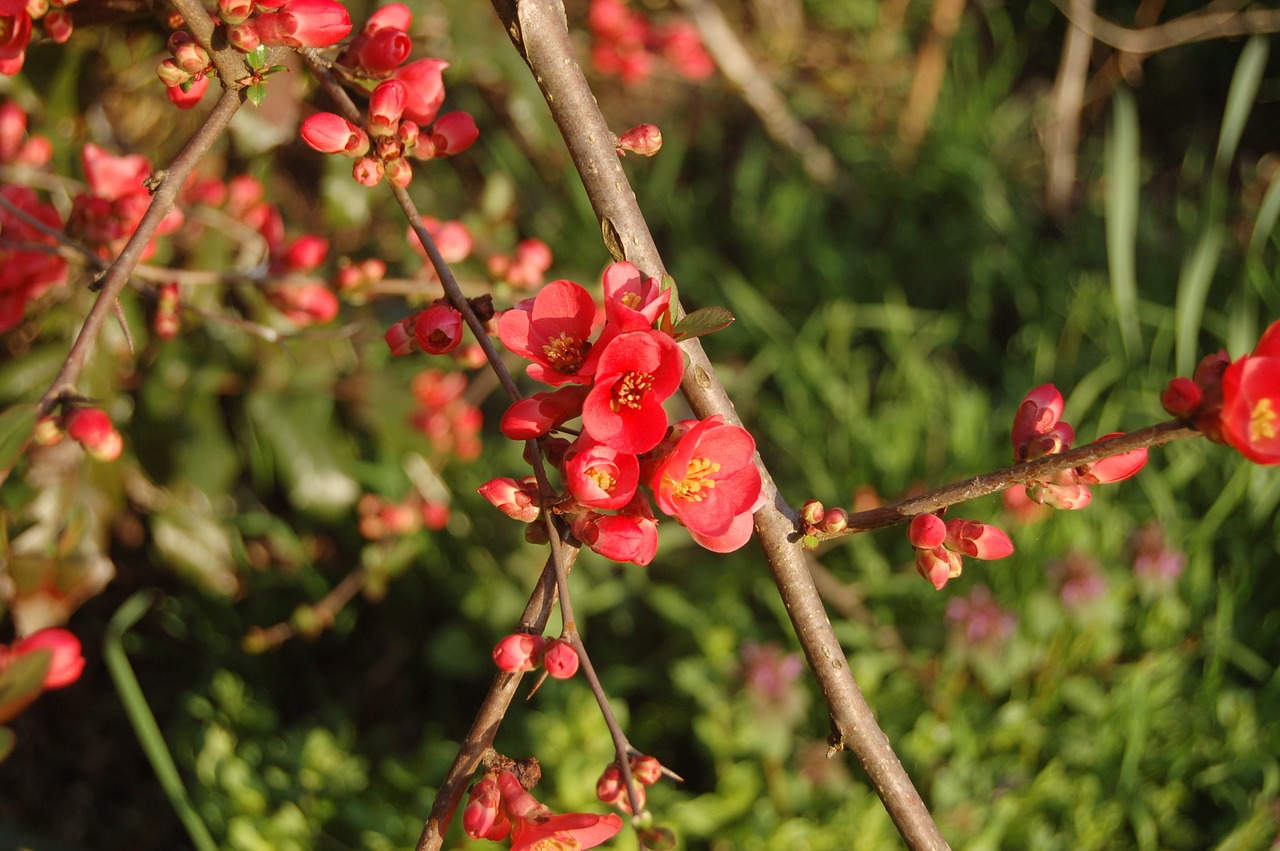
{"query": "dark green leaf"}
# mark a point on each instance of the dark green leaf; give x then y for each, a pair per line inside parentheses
(705, 320)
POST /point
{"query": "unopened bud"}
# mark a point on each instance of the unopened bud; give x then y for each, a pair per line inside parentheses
(835, 521)
(519, 652)
(812, 512)
(560, 659)
(644, 139)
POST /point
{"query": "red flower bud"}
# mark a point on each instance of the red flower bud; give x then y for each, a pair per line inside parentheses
(1181, 398)
(560, 659)
(385, 49)
(438, 329)
(92, 429)
(386, 105)
(453, 133)
(304, 23)
(233, 12)
(243, 37)
(519, 652)
(58, 26)
(367, 171)
(332, 134)
(644, 139)
(65, 664)
(927, 531)
(188, 94)
(171, 73)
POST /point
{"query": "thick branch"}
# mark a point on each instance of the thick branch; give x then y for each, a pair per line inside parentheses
(1198, 26)
(539, 32)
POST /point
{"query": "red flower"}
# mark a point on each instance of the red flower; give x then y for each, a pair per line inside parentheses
(538, 414)
(535, 828)
(710, 484)
(65, 661)
(635, 374)
(27, 273)
(438, 329)
(551, 329)
(425, 82)
(632, 301)
(631, 535)
(304, 23)
(1037, 430)
(599, 476)
(1251, 401)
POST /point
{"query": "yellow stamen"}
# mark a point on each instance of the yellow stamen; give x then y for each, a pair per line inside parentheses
(1262, 423)
(631, 300)
(565, 353)
(601, 478)
(629, 390)
(697, 481)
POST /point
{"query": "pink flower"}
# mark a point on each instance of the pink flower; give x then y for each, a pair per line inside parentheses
(637, 371)
(632, 301)
(536, 828)
(599, 476)
(551, 329)
(65, 662)
(938, 565)
(1251, 401)
(710, 484)
(304, 23)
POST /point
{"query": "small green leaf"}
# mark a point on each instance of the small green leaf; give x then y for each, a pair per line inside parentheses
(257, 58)
(276, 69)
(705, 320)
(16, 427)
(257, 94)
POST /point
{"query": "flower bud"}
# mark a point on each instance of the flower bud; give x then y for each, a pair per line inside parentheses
(92, 429)
(438, 329)
(400, 337)
(519, 652)
(812, 512)
(386, 105)
(978, 540)
(232, 12)
(188, 94)
(329, 133)
(644, 139)
(58, 26)
(48, 432)
(1181, 398)
(384, 51)
(927, 531)
(367, 171)
(515, 499)
(243, 37)
(646, 770)
(938, 565)
(191, 57)
(65, 663)
(610, 786)
(304, 23)
(835, 521)
(398, 171)
(560, 659)
(171, 73)
(453, 133)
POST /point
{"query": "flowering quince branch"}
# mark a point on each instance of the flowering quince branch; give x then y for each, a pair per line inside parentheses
(538, 31)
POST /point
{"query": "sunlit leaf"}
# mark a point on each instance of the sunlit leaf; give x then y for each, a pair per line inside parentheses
(705, 320)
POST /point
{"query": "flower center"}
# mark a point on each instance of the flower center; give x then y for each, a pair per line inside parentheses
(697, 481)
(631, 300)
(629, 390)
(565, 354)
(602, 479)
(1262, 423)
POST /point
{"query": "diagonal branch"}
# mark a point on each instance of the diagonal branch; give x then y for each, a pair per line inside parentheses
(1207, 24)
(539, 31)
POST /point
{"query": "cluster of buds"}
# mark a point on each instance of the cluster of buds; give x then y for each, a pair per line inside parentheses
(525, 268)
(498, 805)
(699, 472)
(401, 106)
(626, 45)
(611, 788)
(1038, 430)
(185, 73)
(16, 21)
(821, 522)
(167, 322)
(65, 664)
(521, 652)
(445, 416)
(381, 518)
(90, 427)
(940, 546)
(1235, 402)
(356, 276)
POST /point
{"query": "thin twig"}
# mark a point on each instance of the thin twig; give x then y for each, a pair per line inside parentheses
(1062, 137)
(117, 276)
(1188, 29)
(926, 83)
(759, 92)
(538, 30)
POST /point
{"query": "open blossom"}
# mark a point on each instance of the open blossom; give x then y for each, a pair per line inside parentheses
(710, 484)
(1251, 401)
(535, 828)
(632, 301)
(637, 371)
(552, 330)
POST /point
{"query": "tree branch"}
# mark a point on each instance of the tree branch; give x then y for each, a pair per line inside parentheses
(1204, 25)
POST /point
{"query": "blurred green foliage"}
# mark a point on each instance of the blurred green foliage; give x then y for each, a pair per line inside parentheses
(887, 326)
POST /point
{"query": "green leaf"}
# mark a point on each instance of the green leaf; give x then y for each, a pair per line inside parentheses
(16, 427)
(257, 58)
(705, 320)
(257, 93)
(22, 681)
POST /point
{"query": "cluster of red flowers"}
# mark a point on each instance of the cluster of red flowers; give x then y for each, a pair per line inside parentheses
(402, 104)
(28, 272)
(498, 806)
(626, 45)
(1235, 402)
(1038, 430)
(445, 416)
(612, 789)
(699, 472)
(90, 427)
(107, 215)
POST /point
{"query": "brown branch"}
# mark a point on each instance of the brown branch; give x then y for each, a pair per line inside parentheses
(926, 83)
(117, 276)
(1038, 470)
(492, 710)
(759, 92)
(1061, 138)
(1188, 29)
(538, 30)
